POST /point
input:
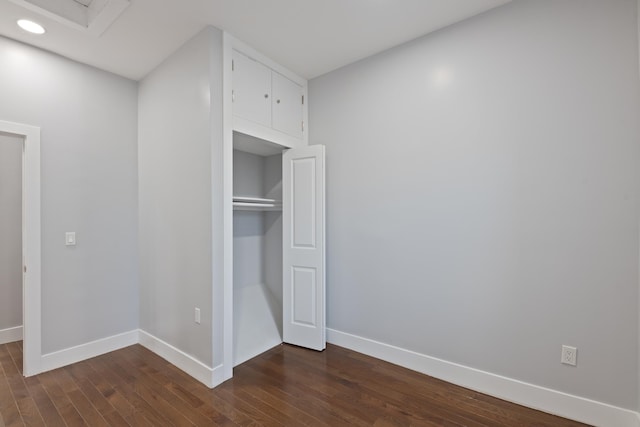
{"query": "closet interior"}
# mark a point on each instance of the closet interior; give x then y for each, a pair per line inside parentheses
(257, 246)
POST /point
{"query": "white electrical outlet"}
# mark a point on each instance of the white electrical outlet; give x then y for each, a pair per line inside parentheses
(197, 316)
(569, 355)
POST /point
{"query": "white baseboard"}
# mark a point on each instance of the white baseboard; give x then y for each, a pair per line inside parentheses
(10, 335)
(532, 396)
(91, 349)
(210, 377)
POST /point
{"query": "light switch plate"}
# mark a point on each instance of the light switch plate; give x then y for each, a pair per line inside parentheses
(70, 238)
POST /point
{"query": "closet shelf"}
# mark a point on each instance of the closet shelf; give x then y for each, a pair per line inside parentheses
(238, 206)
(256, 204)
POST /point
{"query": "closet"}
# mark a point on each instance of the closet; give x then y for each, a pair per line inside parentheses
(257, 248)
(278, 239)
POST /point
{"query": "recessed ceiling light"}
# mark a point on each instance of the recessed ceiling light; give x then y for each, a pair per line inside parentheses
(31, 26)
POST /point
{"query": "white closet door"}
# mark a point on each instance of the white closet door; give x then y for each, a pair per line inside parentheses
(251, 89)
(303, 185)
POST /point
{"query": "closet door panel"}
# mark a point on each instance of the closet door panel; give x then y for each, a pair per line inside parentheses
(303, 285)
(304, 321)
(286, 105)
(251, 90)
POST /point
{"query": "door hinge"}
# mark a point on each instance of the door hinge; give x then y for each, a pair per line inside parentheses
(302, 99)
(233, 67)
(25, 268)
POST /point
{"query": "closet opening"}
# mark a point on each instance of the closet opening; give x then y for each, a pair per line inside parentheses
(276, 242)
(257, 247)
(11, 254)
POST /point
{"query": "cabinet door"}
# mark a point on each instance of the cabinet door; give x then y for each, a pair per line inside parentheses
(251, 89)
(303, 216)
(286, 105)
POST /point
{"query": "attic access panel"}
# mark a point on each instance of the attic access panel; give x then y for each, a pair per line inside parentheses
(90, 16)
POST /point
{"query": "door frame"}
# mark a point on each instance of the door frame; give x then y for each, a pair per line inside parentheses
(31, 245)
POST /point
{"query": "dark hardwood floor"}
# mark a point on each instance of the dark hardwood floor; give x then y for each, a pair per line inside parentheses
(284, 386)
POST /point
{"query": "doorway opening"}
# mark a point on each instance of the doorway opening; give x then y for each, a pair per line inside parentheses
(21, 177)
(11, 242)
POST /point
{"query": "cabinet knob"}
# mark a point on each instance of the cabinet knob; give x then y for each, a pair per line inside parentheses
(266, 95)
(278, 101)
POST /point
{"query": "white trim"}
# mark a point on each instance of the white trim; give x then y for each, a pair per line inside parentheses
(226, 317)
(532, 396)
(10, 335)
(210, 377)
(638, 47)
(86, 351)
(31, 314)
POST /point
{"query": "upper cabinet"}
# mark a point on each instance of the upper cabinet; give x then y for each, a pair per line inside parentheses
(251, 89)
(268, 104)
(287, 103)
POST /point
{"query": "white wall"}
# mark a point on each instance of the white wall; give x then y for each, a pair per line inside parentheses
(483, 187)
(10, 231)
(179, 124)
(88, 164)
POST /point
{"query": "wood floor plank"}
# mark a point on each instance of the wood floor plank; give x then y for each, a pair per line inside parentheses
(378, 392)
(99, 377)
(268, 392)
(8, 406)
(343, 393)
(284, 386)
(104, 397)
(29, 412)
(394, 374)
(63, 404)
(312, 395)
(155, 380)
(386, 388)
(25, 391)
(183, 385)
(15, 351)
(151, 395)
(87, 411)
(13, 376)
(124, 385)
(45, 405)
